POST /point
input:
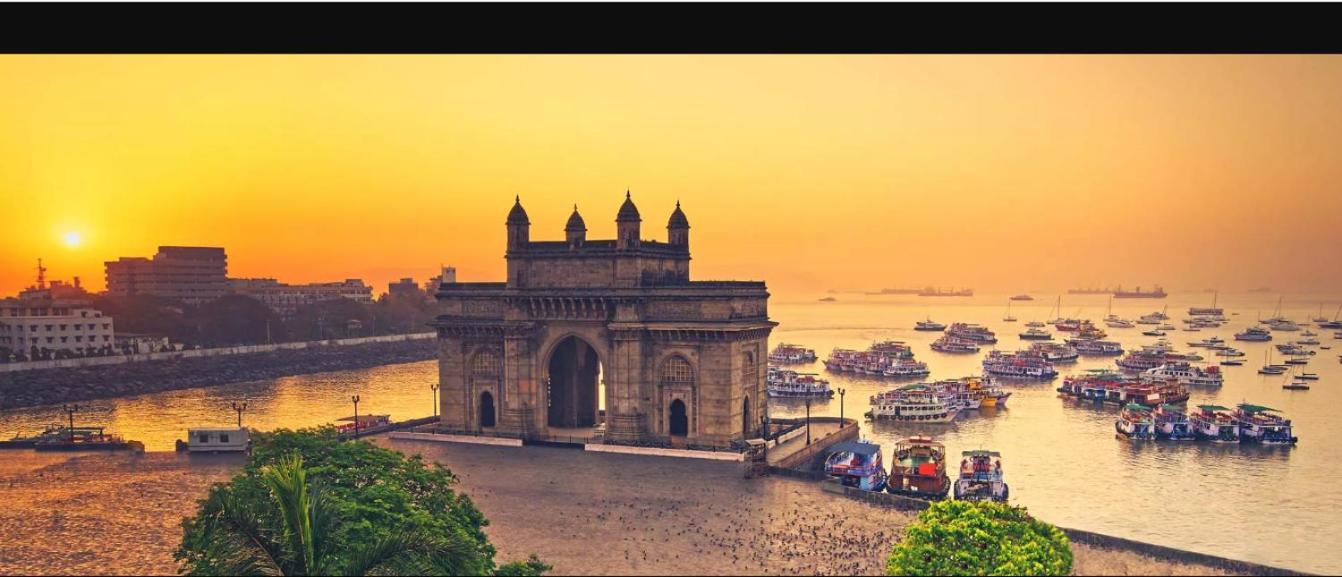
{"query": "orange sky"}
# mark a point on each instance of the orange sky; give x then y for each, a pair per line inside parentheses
(1008, 173)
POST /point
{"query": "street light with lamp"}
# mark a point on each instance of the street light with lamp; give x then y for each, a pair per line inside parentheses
(239, 409)
(808, 421)
(355, 398)
(841, 392)
(434, 387)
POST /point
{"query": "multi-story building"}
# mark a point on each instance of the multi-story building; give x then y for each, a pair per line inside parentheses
(192, 274)
(38, 322)
(285, 299)
(405, 287)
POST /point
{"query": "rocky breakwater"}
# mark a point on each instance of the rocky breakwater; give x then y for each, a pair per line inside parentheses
(48, 386)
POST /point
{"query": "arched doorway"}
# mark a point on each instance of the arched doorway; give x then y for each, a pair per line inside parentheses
(573, 385)
(679, 422)
(486, 409)
(745, 418)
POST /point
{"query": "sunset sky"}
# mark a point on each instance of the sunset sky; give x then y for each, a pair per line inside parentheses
(1006, 173)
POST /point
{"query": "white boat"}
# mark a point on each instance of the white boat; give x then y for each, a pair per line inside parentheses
(1187, 374)
(1153, 333)
(1166, 327)
(1253, 334)
(1229, 353)
(1008, 318)
(918, 403)
(785, 383)
(1040, 325)
(928, 325)
(1212, 343)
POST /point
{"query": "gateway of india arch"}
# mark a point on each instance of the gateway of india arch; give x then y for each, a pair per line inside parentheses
(608, 338)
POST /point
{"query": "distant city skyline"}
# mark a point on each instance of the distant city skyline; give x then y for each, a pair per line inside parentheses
(1000, 173)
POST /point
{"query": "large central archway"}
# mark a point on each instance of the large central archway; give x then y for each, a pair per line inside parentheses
(574, 385)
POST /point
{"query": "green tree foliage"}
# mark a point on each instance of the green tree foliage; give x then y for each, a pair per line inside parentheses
(403, 313)
(150, 315)
(980, 538)
(235, 320)
(348, 508)
(331, 319)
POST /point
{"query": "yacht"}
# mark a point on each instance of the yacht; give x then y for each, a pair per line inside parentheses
(1211, 343)
(1154, 333)
(1036, 334)
(1253, 334)
(1008, 318)
(1285, 325)
(1118, 323)
(928, 325)
(1035, 324)
(1188, 375)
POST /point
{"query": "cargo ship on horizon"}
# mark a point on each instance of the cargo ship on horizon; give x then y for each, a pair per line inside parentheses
(1158, 293)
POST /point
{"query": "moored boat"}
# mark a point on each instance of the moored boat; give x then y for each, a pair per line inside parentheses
(1263, 425)
(785, 383)
(1253, 334)
(1187, 374)
(972, 332)
(1214, 423)
(1172, 424)
(1135, 422)
(1056, 353)
(916, 403)
(1018, 365)
(1095, 347)
(789, 354)
(981, 477)
(918, 469)
(949, 343)
(857, 464)
(928, 325)
(1036, 334)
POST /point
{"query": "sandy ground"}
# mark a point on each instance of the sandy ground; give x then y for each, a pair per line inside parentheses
(581, 512)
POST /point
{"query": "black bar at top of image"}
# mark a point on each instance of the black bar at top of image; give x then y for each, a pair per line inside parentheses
(669, 28)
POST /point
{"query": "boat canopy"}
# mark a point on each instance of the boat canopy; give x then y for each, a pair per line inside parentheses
(857, 448)
(1256, 408)
(981, 454)
(1136, 407)
(1213, 408)
(1169, 407)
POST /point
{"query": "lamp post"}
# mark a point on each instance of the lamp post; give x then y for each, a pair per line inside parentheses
(71, 410)
(841, 421)
(355, 398)
(434, 387)
(239, 409)
(808, 420)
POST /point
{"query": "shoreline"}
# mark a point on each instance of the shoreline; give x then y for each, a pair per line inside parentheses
(39, 387)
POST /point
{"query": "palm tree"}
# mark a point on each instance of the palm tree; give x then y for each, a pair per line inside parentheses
(290, 534)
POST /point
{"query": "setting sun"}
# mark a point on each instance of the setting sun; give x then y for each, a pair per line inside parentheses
(72, 239)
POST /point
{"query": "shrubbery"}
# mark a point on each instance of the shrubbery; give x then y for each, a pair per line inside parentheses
(980, 538)
(307, 503)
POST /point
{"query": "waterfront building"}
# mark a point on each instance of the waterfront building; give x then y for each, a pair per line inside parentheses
(38, 322)
(191, 274)
(580, 325)
(285, 299)
(448, 276)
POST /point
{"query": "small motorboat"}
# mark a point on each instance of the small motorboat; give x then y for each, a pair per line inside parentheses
(1232, 362)
(1153, 333)
(981, 477)
(1296, 385)
(1308, 376)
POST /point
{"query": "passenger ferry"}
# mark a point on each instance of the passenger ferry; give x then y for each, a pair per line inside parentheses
(1214, 423)
(873, 361)
(784, 383)
(1211, 343)
(972, 332)
(1095, 347)
(1036, 334)
(981, 477)
(1187, 374)
(1253, 334)
(857, 464)
(1172, 424)
(928, 325)
(917, 403)
(919, 469)
(1263, 425)
(907, 368)
(1056, 353)
(788, 354)
(1135, 422)
(949, 343)
(1018, 365)
(1035, 324)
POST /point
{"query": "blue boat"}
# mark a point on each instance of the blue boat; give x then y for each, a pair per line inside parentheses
(857, 464)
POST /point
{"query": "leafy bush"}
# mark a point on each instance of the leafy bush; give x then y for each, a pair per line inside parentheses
(980, 538)
(370, 499)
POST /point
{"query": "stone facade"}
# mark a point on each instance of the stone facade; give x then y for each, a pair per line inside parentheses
(676, 358)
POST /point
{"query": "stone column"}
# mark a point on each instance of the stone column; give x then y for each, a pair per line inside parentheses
(452, 399)
(624, 420)
(521, 395)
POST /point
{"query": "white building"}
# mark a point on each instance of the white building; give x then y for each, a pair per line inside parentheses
(33, 322)
(285, 299)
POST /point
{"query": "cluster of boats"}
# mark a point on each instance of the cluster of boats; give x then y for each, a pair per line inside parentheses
(936, 402)
(789, 354)
(1247, 423)
(892, 359)
(963, 338)
(787, 383)
(1104, 386)
(918, 469)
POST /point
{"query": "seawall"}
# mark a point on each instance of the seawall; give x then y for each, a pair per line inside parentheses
(106, 377)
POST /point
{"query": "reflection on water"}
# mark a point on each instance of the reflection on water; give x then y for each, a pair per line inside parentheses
(1269, 505)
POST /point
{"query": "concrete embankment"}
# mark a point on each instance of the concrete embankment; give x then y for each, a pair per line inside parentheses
(202, 368)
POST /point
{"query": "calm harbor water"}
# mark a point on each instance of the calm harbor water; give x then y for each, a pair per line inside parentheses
(1268, 505)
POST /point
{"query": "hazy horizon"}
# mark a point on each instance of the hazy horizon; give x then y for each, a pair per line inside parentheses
(1001, 173)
